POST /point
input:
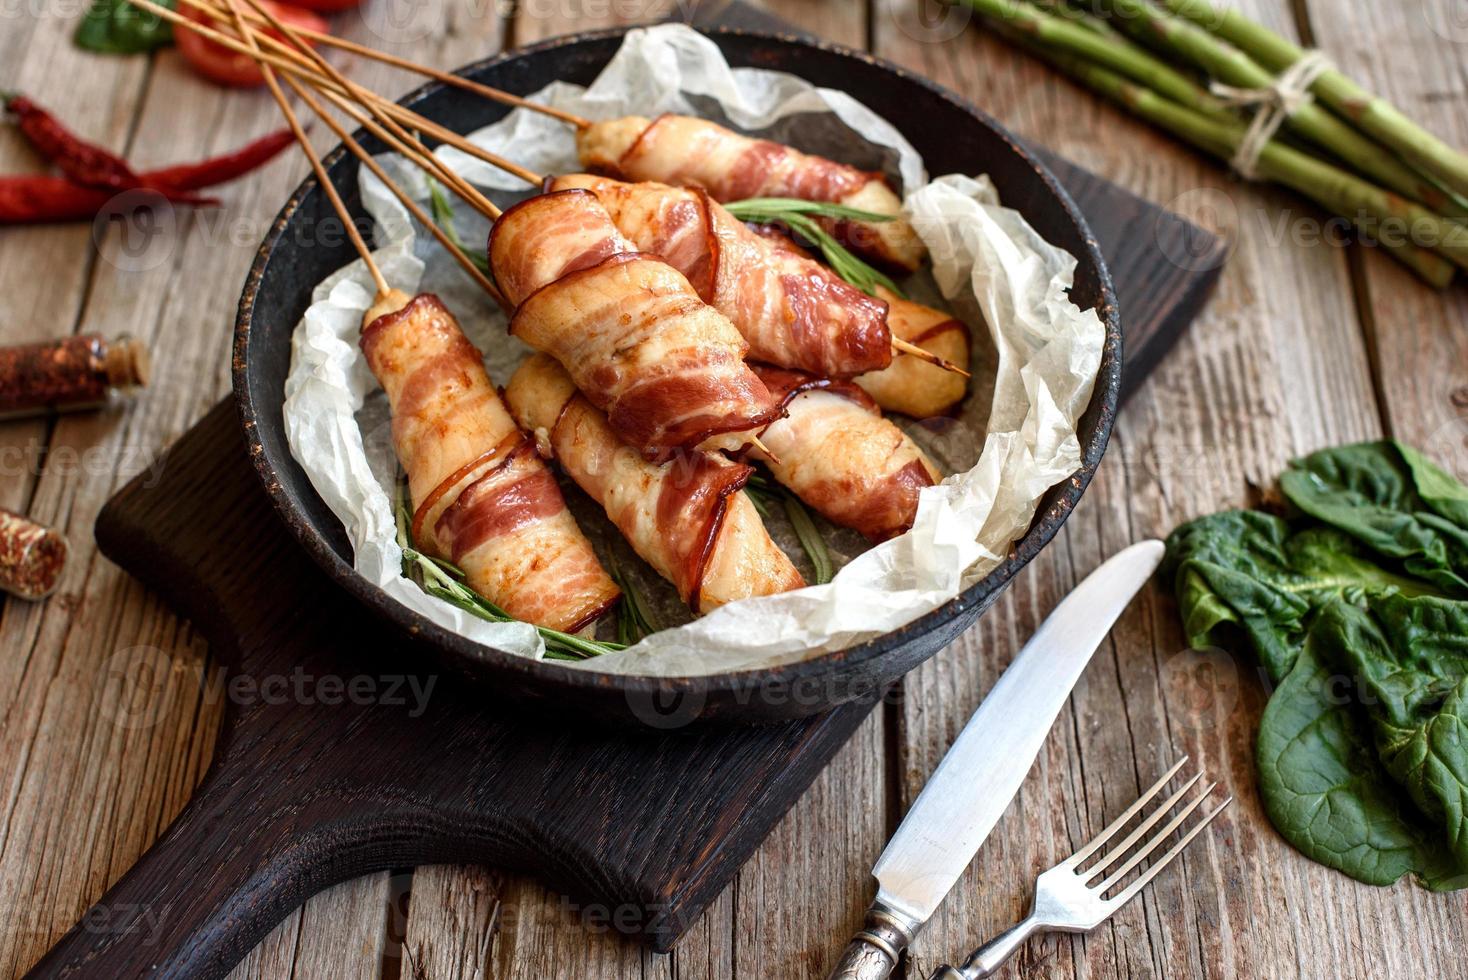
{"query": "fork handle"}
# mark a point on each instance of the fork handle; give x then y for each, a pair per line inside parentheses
(988, 958)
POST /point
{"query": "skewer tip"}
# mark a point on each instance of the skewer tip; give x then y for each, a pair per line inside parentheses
(755, 441)
(904, 347)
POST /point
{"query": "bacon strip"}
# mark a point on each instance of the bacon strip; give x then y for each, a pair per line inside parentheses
(687, 517)
(732, 167)
(483, 500)
(666, 368)
(840, 456)
(792, 310)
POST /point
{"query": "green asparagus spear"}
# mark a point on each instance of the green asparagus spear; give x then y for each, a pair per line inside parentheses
(1228, 64)
(1343, 193)
(1373, 114)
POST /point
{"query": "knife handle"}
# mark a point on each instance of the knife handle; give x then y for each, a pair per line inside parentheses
(873, 952)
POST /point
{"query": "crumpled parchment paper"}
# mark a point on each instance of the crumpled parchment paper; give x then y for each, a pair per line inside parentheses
(1034, 372)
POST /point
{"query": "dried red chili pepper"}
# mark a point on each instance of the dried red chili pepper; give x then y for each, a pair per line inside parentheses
(228, 166)
(39, 198)
(85, 163)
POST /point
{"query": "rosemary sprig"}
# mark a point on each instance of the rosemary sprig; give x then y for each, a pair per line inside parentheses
(443, 216)
(763, 493)
(444, 580)
(635, 618)
(799, 217)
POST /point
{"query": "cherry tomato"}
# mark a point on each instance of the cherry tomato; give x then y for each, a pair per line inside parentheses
(219, 64)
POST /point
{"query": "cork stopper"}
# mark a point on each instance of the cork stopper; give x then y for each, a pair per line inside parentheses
(128, 363)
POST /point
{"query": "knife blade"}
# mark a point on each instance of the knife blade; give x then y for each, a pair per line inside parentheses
(983, 770)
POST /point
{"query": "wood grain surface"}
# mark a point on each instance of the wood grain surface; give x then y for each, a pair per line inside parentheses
(109, 717)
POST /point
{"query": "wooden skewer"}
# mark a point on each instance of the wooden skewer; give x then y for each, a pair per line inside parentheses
(754, 440)
(311, 61)
(378, 106)
(905, 347)
(413, 206)
(418, 154)
(448, 78)
(336, 86)
(321, 177)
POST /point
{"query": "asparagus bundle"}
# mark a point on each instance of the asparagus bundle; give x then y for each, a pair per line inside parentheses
(1370, 164)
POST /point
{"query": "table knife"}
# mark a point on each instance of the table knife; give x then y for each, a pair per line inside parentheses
(977, 779)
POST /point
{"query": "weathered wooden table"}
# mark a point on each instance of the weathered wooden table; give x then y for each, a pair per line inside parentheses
(107, 725)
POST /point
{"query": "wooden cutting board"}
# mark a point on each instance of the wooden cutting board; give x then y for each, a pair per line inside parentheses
(334, 762)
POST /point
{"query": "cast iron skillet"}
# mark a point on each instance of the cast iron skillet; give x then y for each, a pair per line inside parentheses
(951, 135)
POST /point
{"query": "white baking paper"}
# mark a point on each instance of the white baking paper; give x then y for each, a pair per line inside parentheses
(1033, 377)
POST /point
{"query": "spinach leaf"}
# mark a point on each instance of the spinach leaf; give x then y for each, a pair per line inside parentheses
(118, 27)
(1252, 572)
(1371, 491)
(1333, 766)
(1357, 607)
(1326, 791)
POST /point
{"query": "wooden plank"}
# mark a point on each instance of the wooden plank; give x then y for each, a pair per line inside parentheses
(1277, 366)
(102, 652)
(1420, 337)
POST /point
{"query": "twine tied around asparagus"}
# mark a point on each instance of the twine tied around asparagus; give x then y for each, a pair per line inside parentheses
(1273, 103)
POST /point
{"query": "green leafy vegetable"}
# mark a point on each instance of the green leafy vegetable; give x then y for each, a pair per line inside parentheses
(1358, 610)
(444, 580)
(799, 217)
(118, 27)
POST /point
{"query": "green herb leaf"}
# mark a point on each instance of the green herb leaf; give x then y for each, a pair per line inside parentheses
(635, 619)
(443, 580)
(443, 216)
(118, 27)
(799, 217)
(764, 492)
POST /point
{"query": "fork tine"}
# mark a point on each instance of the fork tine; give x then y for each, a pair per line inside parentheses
(1130, 891)
(1163, 808)
(1131, 811)
(1156, 841)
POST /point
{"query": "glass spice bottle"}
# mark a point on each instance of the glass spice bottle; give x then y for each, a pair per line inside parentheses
(32, 556)
(85, 371)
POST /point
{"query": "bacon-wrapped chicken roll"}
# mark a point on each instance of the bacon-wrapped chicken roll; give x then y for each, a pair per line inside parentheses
(685, 150)
(792, 310)
(482, 498)
(666, 368)
(913, 386)
(840, 456)
(686, 517)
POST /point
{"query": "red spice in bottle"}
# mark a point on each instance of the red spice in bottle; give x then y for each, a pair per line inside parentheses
(76, 372)
(32, 556)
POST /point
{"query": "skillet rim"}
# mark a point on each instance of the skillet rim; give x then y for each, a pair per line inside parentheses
(1042, 530)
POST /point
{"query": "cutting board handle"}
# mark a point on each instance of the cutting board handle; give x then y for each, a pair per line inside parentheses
(211, 886)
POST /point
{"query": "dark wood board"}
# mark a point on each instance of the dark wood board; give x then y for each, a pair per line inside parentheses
(380, 768)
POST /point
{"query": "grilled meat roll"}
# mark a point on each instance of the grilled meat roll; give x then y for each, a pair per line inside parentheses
(687, 516)
(732, 167)
(482, 498)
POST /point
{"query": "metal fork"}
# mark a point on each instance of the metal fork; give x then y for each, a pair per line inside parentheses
(1065, 901)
